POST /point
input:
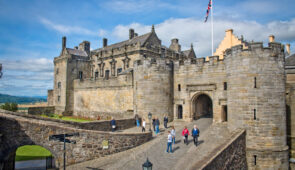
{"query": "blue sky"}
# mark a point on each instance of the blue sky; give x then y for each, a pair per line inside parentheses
(31, 30)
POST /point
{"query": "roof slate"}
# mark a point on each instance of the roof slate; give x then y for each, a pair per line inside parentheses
(77, 52)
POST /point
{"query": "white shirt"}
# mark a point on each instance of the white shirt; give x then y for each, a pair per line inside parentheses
(169, 138)
(173, 132)
(143, 124)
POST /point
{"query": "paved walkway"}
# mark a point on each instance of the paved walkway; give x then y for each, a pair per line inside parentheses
(155, 150)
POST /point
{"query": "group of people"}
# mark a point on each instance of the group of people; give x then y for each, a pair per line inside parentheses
(185, 134)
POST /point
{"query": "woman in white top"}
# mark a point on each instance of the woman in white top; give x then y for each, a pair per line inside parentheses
(143, 125)
(173, 134)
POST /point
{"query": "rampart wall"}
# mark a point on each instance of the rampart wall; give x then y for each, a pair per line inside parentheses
(104, 97)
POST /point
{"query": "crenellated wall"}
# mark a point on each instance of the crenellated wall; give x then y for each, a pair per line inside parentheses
(194, 77)
(104, 97)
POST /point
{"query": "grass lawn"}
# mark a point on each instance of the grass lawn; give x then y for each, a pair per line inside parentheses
(68, 118)
(31, 152)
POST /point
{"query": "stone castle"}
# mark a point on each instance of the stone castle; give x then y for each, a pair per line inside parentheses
(244, 85)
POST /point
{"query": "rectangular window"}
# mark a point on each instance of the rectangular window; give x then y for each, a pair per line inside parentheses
(58, 98)
(179, 87)
(96, 74)
(255, 159)
(224, 85)
(255, 82)
(254, 114)
(80, 75)
(107, 74)
(59, 85)
(57, 70)
(119, 70)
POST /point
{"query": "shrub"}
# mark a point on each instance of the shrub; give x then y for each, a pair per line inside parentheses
(9, 106)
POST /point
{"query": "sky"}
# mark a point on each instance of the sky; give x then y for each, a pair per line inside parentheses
(31, 30)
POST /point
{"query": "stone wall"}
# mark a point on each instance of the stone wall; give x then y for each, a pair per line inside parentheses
(100, 125)
(230, 156)
(100, 97)
(18, 131)
(194, 77)
(50, 98)
(41, 110)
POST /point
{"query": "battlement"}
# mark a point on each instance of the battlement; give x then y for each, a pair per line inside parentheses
(198, 62)
(159, 63)
(274, 49)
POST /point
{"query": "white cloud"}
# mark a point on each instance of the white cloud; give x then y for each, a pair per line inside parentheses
(66, 29)
(190, 30)
(28, 65)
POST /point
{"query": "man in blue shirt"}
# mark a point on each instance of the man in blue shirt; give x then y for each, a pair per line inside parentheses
(113, 124)
(195, 134)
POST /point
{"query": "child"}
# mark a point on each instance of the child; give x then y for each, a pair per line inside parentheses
(169, 142)
(185, 134)
(173, 134)
(143, 125)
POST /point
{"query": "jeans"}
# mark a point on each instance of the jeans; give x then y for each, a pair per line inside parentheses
(169, 145)
(173, 140)
(143, 129)
(165, 125)
(195, 140)
(185, 139)
(157, 129)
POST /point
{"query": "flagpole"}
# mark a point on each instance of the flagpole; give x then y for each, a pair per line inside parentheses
(212, 40)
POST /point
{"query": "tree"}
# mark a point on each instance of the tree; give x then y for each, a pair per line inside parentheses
(9, 106)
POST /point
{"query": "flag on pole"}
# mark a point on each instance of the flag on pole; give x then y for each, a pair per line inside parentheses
(208, 10)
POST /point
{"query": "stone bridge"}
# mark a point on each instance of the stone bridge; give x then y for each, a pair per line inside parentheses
(17, 130)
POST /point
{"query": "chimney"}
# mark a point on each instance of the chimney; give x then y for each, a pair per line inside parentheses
(131, 33)
(64, 42)
(175, 45)
(288, 49)
(271, 38)
(229, 32)
(105, 42)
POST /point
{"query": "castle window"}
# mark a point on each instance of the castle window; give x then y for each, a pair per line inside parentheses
(255, 82)
(96, 74)
(255, 159)
(119, 70)
(58, 98)
(179, 87)
(57, 70)
(80, 75)
(224, 85)
(59, 85)
(254, 114)
(107, 74)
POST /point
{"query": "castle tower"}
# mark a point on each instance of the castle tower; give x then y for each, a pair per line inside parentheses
(153, 88)
(256, 102)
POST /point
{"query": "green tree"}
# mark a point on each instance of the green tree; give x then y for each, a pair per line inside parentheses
(9, 106)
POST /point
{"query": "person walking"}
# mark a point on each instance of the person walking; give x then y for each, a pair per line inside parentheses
(173, 134)
(185, 134)
(137, 121)
(113, 124)
(169, 142)
(154, 124)
(195, 134)
(165, 121)
(143, 125)
(157, 123)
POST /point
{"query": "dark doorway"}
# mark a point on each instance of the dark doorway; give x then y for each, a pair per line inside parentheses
(179, 112)
(202, 107)
(224, 114)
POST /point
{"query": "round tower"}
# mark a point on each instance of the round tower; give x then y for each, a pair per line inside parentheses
(153, 88)
(256, 102)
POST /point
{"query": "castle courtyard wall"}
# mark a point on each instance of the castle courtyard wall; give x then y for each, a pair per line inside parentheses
(104, 98)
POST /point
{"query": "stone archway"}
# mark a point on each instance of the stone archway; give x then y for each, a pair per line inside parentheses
(202, 106)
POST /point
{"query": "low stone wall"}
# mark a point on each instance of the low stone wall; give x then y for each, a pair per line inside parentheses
(18, 131)
(100, 125)
(230, 156)
(41, 110)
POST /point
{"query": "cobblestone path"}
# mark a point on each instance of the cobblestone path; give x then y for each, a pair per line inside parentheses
(155, 150)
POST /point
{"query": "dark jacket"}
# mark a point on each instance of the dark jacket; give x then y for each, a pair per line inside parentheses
(195, 132)
(113, 122)
(157, 122)
(165, 119)
(154, 122)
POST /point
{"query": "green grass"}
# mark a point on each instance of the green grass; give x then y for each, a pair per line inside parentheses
(67, 118)
(31, 152)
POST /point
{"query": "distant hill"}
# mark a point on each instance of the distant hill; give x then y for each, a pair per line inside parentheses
(21, 99)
